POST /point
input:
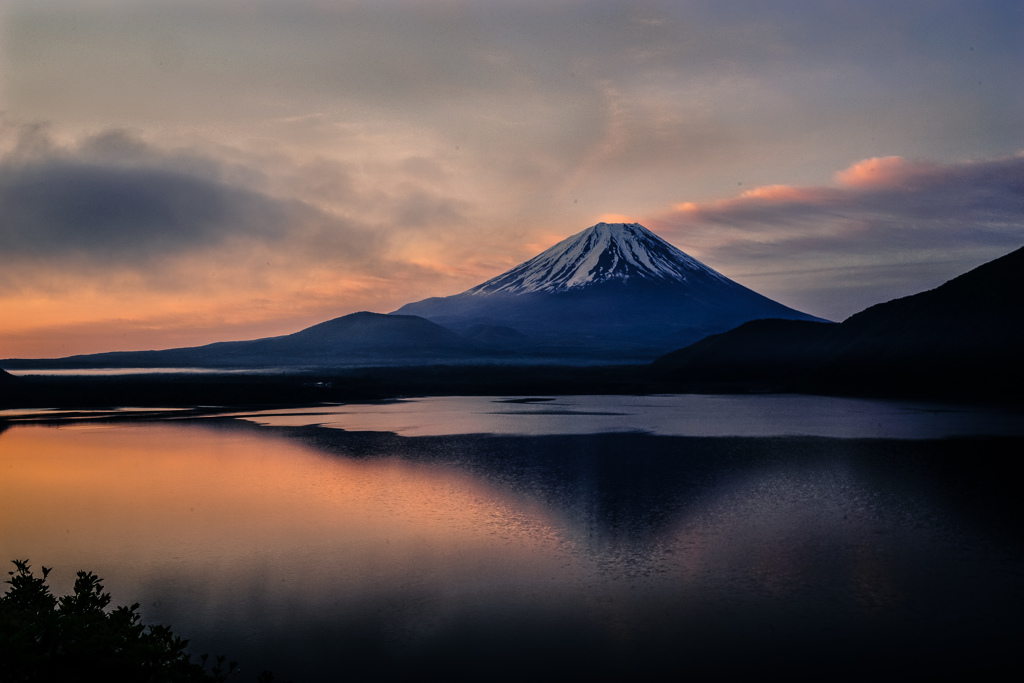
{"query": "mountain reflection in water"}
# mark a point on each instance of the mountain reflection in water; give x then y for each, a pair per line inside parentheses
(316, 551)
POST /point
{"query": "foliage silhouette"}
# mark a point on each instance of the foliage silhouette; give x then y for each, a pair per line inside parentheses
(75, 638)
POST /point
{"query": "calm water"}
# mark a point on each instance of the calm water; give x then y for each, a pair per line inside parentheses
(670, 415)
(489, 538)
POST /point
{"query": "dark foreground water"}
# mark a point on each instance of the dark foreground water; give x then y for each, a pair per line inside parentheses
(564, 545)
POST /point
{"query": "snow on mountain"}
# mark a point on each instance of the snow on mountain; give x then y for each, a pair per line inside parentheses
(613, 291)
(604, 252)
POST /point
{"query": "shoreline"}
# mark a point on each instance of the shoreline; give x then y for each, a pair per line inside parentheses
(345, 385)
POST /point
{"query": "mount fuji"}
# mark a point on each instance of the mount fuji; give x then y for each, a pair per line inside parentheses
(614, 291)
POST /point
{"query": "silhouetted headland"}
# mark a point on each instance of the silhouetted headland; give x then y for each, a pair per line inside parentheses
(962, 339)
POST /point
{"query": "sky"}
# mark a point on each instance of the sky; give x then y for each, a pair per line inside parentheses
(180, 172)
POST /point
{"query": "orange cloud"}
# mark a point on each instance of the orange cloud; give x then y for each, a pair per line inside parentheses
(881, 171)
(887, 228)
(876, 173)
(785, 193)
(869, 174)
(757, 197)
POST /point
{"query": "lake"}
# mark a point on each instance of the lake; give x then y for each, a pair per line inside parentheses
(540, 537)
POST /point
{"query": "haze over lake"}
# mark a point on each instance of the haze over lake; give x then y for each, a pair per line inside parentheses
(520, 536)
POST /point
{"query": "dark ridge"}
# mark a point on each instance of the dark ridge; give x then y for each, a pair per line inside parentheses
(356, 339)
(962, 339)
(782, 348)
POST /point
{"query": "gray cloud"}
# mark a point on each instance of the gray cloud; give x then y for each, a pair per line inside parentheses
(113, 199)
(913, 225)
(60, 206)
(970, 202)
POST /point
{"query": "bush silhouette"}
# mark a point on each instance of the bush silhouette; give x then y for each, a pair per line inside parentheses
(75, 638)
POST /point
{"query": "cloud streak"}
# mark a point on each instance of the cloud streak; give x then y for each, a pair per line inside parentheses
(881, 214)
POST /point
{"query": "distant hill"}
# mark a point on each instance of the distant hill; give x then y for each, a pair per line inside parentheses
(614, 290)
(359, 338)
(964, 336)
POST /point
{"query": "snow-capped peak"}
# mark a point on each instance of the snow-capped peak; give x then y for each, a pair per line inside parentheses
(606, 251)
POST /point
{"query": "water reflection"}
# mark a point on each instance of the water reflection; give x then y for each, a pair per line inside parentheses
(169, 494)
(305, 549)
(669, 415)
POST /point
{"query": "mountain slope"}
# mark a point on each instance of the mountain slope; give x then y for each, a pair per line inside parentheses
(981, 311)
(602, 253)
(358, 338)
(610, 291)
(964, 336)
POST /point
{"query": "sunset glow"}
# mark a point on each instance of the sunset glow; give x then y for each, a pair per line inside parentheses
(182, 174)
(69, 487)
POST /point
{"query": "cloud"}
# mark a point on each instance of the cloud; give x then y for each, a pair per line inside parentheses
(879, 197)
(56, 207)
(883, 216)
(886, 171)
(112, 199)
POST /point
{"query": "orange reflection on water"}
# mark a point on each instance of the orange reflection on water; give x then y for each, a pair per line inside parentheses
(133, 502)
